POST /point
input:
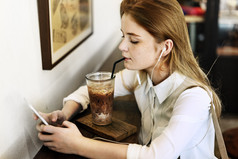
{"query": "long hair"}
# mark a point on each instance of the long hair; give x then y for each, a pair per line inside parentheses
(164, 19)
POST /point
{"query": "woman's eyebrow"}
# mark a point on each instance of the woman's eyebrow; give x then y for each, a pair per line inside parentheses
(133, 34)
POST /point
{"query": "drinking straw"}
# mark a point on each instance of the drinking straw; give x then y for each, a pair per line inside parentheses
(114, 65)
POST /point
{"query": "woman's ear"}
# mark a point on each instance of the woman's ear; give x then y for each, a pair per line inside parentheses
(168, 45)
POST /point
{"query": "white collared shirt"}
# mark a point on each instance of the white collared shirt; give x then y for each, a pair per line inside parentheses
(190, 132)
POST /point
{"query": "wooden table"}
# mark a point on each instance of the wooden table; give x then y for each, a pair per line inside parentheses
(231, 141)
(125, 109)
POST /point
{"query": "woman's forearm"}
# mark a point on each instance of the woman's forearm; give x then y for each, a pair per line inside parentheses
(71, 108)
(97, 149)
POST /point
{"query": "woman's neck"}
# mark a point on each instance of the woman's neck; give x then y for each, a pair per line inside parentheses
(160, 74)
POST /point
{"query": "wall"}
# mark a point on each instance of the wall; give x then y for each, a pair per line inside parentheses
(22, 75)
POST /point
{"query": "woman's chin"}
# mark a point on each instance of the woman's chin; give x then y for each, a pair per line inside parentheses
(128, 65)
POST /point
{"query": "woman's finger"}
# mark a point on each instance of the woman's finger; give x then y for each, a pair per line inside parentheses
(49, 144)
(43, 115)
(35, 117)
(38, 127)
(45, 138)
(68, 124)
(54, 116)
(48, 129)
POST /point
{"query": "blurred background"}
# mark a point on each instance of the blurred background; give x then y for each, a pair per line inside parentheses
(213, 31)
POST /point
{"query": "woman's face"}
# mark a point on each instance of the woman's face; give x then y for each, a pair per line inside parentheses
(138, 46)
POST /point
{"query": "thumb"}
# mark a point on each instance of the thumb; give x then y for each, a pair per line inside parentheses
(67, 124)
(54, 117)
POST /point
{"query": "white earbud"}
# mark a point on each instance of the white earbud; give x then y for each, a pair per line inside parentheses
(164, 49)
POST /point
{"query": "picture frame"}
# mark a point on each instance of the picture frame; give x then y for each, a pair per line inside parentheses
(64, 25)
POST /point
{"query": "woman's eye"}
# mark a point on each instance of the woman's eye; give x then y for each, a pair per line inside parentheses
(134, 42)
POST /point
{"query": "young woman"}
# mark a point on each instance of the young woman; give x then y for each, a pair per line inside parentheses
(172, 92)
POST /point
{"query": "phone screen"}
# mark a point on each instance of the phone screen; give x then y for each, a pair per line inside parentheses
(34, 110)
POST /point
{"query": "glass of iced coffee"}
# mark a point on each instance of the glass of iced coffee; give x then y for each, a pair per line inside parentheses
(101, 91)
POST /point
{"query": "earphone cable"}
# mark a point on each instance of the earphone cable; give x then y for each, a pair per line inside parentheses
(213, 65)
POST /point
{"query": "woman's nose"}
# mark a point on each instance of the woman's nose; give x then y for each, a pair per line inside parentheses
(123, 46)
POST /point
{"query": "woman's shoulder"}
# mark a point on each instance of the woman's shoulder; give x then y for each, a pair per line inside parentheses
(196, 96)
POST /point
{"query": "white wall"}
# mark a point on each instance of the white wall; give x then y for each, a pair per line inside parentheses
(21, 74)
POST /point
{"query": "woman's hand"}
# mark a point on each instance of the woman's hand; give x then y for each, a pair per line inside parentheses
(55, 118)
(63, 139)
(68, 139)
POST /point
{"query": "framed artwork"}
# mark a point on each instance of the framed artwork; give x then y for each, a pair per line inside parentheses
(64, 25)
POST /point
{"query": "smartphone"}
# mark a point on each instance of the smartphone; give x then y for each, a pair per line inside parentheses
(35, 111)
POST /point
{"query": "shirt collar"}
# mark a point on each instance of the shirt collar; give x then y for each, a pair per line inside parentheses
(166, 87)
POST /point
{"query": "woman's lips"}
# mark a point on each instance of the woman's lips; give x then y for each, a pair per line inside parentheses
(126, 59)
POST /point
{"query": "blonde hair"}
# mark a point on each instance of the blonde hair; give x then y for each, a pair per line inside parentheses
(164, 19)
